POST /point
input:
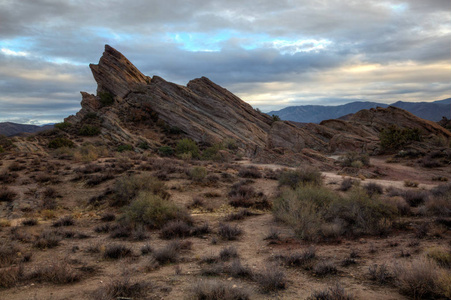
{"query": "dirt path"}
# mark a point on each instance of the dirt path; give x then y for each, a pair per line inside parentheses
(396, 174)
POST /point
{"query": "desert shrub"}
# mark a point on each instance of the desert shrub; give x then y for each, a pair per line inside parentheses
(228, 253)
(379, 273)
(228, 232)
(165, 151)
(243, 213)
(293, 178)
(418, 278)
(108, 217)
(168, 254)
(394, 137)
(230, 144)
(316, 213)
(442, 190)
(143, 145)
(324, 268)
(1, 149)
(347, 184)
(64, 221)
(153, 211)
(237, 270)
(121, 231)
(335, 292)
(64, 126)
(441, 256)
(212, 153)
(60, 142)
(175, 229)
(146, 249)
(429, 162)
(354, 159)
(10, 276)
(122, 288)
(9, 254)
(8, 177)
(116, 251)
(30, 222)
(303, 209)
(373, 188)
(298, 259)
(89, 152)
(416, 198)
(214, 290)
(438, 206)
(59, 272)
(197, 174)
(106, 98)
(47, 240)
(89, 130)
(128, 187)
(358, 214)
(212, 270)
(201, 229)
(249, 172)
(187, 146)
(271, 279)
(241, 195)
(124, 147)
(409, 183)
(7, 195)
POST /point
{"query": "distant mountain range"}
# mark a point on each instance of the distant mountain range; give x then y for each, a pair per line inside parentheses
(11, 129)
(433, 111)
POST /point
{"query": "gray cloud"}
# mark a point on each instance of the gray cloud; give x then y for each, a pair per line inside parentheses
(376, 50)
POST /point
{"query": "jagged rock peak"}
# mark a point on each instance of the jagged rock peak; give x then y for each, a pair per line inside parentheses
(116, 74)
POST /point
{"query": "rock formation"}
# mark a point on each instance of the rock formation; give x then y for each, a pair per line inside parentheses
(208, 113)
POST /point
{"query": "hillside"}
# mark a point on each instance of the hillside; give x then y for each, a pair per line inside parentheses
(433, 111)
(11, 129)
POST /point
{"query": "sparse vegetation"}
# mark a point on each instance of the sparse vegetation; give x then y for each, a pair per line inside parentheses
(215, 289)
(89, 130)
(394, 137)
(187, 147)
(61, 142)
(293, 178)
(354, 160)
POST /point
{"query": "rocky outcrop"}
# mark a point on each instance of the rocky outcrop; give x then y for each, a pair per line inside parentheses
(208, 113)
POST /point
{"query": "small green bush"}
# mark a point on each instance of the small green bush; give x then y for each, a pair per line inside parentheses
(126, 188)
(293, 178)
(187, 146)
(197, 174)
(275, 118)
(394, 137)
(166, 151)
(212, 153)
(316, 213)
(1, 149)
(143, 145)
(89, 130)
(354, 159)
(61, 142)
(64, 126)
(153, 211)
(106, 98)
(123, 148)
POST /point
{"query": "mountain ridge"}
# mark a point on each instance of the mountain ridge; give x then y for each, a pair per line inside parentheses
(433, 111)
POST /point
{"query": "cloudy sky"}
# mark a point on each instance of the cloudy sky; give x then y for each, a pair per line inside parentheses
(272, 54)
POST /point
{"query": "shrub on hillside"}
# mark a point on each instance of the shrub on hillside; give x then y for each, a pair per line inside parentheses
(89, 130)
(61, 142)
(153, 211)
(106, 98)
(352, 159)
(187, 146)
(165, 151)
(293, 178)
(394, 137)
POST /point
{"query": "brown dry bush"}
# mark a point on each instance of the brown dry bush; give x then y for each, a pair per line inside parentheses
(64, 221)
(380, 273)
(298, 259)
(8, 177)
(59, 272)
(175, 229)
(418, 278)
(215, 290)
(242, 195)
(249, 172)
(271, 279)
(47, 240)
(238, 270)
(324, 268)
(122, 288)
(335, 292)
(168, 254)
(373, 189)
(228, 232)
(117, 251)
(7, 195)
(10, 276)
(240, 215)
